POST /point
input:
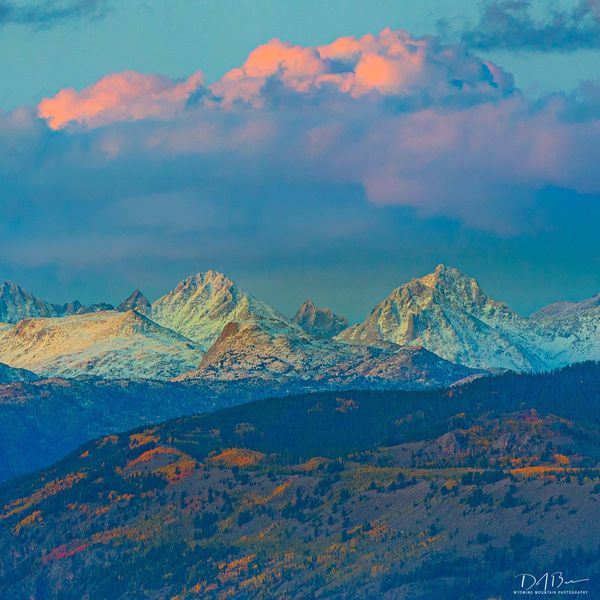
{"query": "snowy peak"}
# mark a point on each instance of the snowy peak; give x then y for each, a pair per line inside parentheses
(17, 303)
(447, 313)
(138, 302)
(320, 322)
(203, 304)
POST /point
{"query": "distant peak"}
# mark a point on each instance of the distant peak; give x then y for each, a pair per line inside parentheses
(136, 301)
(317, 321)
(307, 304)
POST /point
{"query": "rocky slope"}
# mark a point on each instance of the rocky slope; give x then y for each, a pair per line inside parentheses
(320, 322)
(573, 330)
(105, 344)
(247, 351)
(17, 303)
(561, 310)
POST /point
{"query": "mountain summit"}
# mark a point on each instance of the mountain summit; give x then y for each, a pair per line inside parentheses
(203, 304)
(17, 303)
(320, 322)
(138, 302)
(448, 313)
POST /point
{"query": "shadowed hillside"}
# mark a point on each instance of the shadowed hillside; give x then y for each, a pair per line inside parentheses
(444, 494)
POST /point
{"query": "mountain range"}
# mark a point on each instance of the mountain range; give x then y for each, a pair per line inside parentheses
(435, 329)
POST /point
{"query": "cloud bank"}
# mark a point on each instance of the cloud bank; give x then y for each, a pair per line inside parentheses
(301, 154)
(514, 25)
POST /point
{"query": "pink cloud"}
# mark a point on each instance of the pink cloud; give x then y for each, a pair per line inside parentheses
(127, 96)
(393, 63)
(410, 120)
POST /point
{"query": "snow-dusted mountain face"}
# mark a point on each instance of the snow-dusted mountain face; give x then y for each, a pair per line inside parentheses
(448, 313)
(17, 303)
(561, 310)
(11, 375)
(445, 313)
(572, 330)
(105, 344)
(203, 304)
(138, 302)
(247, 339)
(320, 322)
(247, 351)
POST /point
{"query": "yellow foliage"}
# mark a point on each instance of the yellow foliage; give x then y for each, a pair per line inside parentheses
(178, 470)
(233, 569)
(34, 517)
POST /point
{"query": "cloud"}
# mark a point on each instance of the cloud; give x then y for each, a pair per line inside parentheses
(119, 97)
(370, 126)
(513, 25)
(43, 13)
(392, 64)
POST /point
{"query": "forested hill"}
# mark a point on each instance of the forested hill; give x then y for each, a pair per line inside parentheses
(358, 494)
(333, 424)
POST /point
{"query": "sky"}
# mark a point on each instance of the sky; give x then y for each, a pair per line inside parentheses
(326, 150)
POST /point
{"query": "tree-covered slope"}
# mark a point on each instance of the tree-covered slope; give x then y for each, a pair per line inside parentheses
(445, 494)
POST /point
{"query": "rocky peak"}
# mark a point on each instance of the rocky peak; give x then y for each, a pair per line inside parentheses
(320, 322)
(448, 313)
(138, 302)
(17, 303)
(200, 306)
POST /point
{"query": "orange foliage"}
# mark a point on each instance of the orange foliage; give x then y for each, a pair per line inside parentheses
(141, 439)
(312, 464)
(178, 470)
(561, 459)
(50, 489)
(238, 457)
(150, 454)
(34, 517)
(234, 569)
(109, 439)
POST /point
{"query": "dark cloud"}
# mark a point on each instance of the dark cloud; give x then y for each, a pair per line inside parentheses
(539, 26)
(46, 13)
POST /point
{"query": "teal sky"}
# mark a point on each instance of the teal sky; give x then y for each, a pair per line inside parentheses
(178, 37)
